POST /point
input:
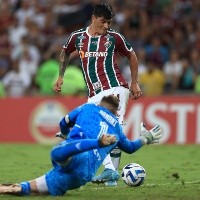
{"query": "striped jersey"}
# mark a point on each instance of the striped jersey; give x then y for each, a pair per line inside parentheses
(98, 55)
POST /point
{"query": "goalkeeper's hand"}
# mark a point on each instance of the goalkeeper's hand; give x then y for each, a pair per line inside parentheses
(150, 136)
(106, 140)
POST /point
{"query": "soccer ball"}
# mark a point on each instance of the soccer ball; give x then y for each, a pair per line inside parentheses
(133, 174)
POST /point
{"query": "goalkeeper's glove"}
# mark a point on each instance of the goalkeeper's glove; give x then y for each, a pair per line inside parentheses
(150, 136)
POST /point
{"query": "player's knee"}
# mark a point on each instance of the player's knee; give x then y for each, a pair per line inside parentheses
(26, 188)
(58, 156)
(55, 156)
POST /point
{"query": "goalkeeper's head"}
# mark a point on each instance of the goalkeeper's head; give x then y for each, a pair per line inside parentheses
(110, 102)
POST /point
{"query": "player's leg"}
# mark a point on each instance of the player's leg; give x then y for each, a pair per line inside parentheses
(13, 189)
(107, 163)
(123, 96)
(112, 164)
(109, 173)
(25, 188)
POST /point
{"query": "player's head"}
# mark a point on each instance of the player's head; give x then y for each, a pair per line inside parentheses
(111, 103)
(103, 10)
(102, 17)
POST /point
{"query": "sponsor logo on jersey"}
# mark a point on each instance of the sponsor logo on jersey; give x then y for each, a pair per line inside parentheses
(86, 54)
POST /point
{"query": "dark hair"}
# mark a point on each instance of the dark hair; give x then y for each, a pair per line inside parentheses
(111, 100)
(103, 10)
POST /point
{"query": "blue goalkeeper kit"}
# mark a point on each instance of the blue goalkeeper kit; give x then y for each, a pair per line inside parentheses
(77, 159)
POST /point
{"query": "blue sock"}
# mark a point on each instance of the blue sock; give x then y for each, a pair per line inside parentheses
(26, 188)
(67, 149)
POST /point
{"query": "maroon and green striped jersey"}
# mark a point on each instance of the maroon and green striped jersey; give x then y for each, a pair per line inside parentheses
(98, 57)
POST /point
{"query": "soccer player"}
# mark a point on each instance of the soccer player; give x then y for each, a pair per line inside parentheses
(99, 47)
(94, 132)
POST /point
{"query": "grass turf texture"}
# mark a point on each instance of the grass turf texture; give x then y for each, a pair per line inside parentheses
(173, 172)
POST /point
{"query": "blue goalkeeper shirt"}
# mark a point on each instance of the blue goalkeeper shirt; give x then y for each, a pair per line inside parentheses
(91, 121)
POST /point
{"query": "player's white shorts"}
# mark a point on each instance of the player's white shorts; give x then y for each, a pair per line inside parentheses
(123, 95)
(42, 185)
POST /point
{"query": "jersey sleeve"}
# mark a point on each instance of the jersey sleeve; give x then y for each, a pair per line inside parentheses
(74, 113)
(70, 46)
(80, 127)
(127, 145)
(122, 46)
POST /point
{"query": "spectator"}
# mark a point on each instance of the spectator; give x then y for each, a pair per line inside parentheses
(5, 15)
(195, 60)
(39, 25)
(5, 45)
(27, 63)
(46, 75)
(157, 52)
(31, 48)
(4, 66)
(16, 32)
(74, 83)
(25, 11)
(173, 70)
(187, 78)
(16, 82)
(197, 84)
(70, 14)
(2, 90)
(179, 43)
(153, 80)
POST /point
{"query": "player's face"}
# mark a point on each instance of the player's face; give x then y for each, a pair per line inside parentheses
(101, 25)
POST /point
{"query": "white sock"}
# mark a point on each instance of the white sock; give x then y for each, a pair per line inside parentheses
(116, 157)
(108, 163)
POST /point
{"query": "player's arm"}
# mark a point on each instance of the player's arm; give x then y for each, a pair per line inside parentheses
(125, 49)
(68, 48)
(64, 60)
(146, 137)
(61, 153)
(134, 87)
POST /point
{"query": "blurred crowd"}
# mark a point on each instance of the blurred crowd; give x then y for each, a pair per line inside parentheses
(165, 35)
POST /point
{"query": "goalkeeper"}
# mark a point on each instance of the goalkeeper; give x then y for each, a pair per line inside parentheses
(95, 132)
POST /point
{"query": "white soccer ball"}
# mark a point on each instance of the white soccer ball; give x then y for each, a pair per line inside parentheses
(133, 174)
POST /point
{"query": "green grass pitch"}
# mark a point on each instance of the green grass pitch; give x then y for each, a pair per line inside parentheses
(173, 172)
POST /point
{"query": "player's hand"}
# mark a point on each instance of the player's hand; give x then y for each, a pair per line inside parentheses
(152, 136)
(135, 90)
(107, 139)
(57, 85)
